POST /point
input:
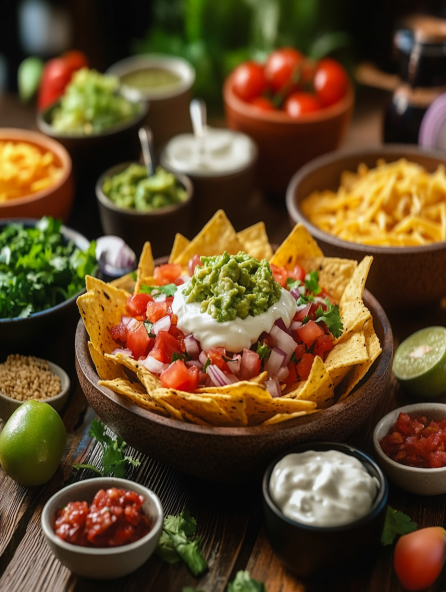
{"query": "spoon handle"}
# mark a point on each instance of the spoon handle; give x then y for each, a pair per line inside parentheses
(198, 116)
(146, 139)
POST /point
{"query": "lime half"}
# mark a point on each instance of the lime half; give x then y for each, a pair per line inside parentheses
(420, 362)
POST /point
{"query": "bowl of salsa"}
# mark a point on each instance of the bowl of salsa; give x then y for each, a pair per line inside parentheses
(410, 447)
(103, 528)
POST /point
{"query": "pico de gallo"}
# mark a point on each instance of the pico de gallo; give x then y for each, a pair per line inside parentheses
(287, 317)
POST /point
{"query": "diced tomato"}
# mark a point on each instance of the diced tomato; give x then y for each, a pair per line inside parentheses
(303, 368)
(165, 346)
(292, 376)
(298, 273)
(324, 294)
(202, 377)
(300, 351)
(179, 377)
(177, 333)
(137, 304)
(299, 316)
(323, 344)
(158, 310)
(178, 282)
(281, 274)
(119, 333)
(215, 354)
(310, 332)
(138, 341)
(250, 365)
(168, 273)
(196, 260)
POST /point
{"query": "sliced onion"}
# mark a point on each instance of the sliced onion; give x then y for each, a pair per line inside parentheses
(282, 374)
(234, 364)
(162, 324)
(230, 378)
(283, 341)
(273, 387)
(279, 323)
(249, 364)
(301, 289)
(132, 323)
(120, 350)
(203, 357)
(275, 361)
(217, 376)
(319, 300)
(295, 293)
(160, 298)
(301, 307)
(196, 363)
(126, 320)
(295, 325)
(155, 293)
(114, 256)
(154, 365)
(191, 345)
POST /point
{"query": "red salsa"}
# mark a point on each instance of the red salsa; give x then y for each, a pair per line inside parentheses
(416, 442)
(114, 518)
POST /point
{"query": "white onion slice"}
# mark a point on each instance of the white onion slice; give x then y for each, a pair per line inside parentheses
(283, 341)
(154, 365)
(301, 307)
(203, 357)
(131, 323)
(160, 298)
(231, 378)
(125, 320)
(162, 324)
(282, 374)
(120, 350)
(196, 363)
(234, 364)
(275, 361)
(191, 345)
(295, 325)
(273, 387)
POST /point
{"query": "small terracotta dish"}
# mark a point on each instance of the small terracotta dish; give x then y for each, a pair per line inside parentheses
(400, 277)
(9, 405)
(56, 200)
(305, 549)
(413, 479)
(102, 563)
(158, 226)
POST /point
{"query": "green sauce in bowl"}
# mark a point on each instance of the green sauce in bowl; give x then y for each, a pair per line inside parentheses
(151, 78)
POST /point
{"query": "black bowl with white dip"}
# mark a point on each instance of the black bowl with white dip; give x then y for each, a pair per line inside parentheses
(324, 505)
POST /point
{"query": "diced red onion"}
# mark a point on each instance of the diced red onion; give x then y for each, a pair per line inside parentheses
(279, 323)
(283, 341)
(295, 293)
(154, 365)
(191, 345)
(120, 350)
(301, 307)
(282, 374)
(273, 387)
(203, 357)
(131, 323)
(275, 361)
(249, 364)
(231, 378)
(114, 255)
(125, 320)
(160, 298)
(217, 376)
(234, 364)
(196, 363)
(295, 325)
(162, 324)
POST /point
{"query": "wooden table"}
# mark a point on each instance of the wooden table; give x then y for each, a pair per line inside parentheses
(229, 517)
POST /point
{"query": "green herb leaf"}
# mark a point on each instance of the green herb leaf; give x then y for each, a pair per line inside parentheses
(264, 351)
(168, 290)
(165, 549)
(91, 467)
(292, 283)
(183, 522)
(312, 283)
(206, 364)
(133, 276)
(331, 318)
(244, 583)
(396, 524)
(148, 325)
(180, 356)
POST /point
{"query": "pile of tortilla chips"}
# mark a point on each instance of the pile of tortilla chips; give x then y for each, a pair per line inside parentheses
(245, 403)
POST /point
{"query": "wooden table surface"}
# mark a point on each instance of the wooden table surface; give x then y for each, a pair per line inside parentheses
(229, 517)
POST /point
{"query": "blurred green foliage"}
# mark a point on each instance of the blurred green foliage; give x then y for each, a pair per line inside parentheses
(217, 35)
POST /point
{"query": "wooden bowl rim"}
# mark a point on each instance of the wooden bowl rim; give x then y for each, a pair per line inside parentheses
(296, 214)
(42, 141)
(87, 368)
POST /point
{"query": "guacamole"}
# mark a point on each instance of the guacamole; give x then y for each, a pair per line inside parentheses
(231, 286)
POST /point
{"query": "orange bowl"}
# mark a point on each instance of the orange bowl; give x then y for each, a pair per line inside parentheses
(284, 143)
(56, 200)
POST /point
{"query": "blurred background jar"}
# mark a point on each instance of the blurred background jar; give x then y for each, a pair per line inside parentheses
(420, 46)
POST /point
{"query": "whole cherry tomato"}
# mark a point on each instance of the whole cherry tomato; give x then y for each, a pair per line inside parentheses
(300, 102)
(263, 104)
(419, 557)
(281, 66)
(330, 82)
(249, 81)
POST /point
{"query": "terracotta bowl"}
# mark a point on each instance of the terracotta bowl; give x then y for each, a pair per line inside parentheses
(233, 454)
(285, 144)
(400, 277)
(159, 226)
(56, 200)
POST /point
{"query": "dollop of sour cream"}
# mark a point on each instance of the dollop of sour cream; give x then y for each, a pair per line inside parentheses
(326, 488)
(232, 335)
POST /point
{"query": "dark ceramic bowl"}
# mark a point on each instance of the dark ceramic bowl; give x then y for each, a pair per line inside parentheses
(400, 277)
(233, 454)
(20, 335)
(308, 550)
(159, 226)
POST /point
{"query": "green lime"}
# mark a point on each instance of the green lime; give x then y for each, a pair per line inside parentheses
(32, 443)
(420, 362)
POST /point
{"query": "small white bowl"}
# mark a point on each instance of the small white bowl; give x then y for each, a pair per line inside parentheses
(9, 405)
(412, 479)
(102, 563)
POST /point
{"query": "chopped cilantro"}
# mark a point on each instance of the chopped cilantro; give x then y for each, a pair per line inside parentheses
(312, 283)
(293, 357)
(148, 325)
(180, 356)
(133, 276)
(264, 351)
(331, 318)
(244, 583)
(168, 290)
(305, 299)
(396, 524)
(206, 364)
(291, 283)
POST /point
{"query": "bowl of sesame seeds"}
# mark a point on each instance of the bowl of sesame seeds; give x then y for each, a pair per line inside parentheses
(23, 378)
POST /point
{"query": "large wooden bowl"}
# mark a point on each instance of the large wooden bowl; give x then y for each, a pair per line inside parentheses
(233, 454)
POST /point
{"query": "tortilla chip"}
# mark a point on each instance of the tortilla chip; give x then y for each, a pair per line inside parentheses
(146, 265)
(280, 417)
(134, 392)
(299, 243)
(358, 372)
(216, 237)
(345, 355)
(179, 245)
(334, 273)
(125, 282)
(318, 387)
(106, 369)
(233, 405)
(353, 316)
(355, 288)
(174, 413)
(255, 241)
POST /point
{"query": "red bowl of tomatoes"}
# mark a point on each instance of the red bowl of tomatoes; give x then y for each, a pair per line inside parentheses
(294, 108)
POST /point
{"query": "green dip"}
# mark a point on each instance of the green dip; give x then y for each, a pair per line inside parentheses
(91, 104)
(151, 78)
(230, 286)
(132, 188)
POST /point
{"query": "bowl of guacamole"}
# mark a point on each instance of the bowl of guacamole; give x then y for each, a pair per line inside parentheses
(139, 208)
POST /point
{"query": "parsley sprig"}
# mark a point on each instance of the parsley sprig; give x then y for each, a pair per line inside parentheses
(168, 289)
(331, 317)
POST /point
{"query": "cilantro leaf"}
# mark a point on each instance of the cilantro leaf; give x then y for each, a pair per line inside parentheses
(396, 524)
(305, 299)
(97, 430)
(148, 325)
(87, 466)
(244, 583)
(183, 521)
(168, 290)
(165, 549)
(312, 283)
(206, 364)
(291, 283)
(133, 276)
(331, 318)
(180, 356)
(264, 351)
